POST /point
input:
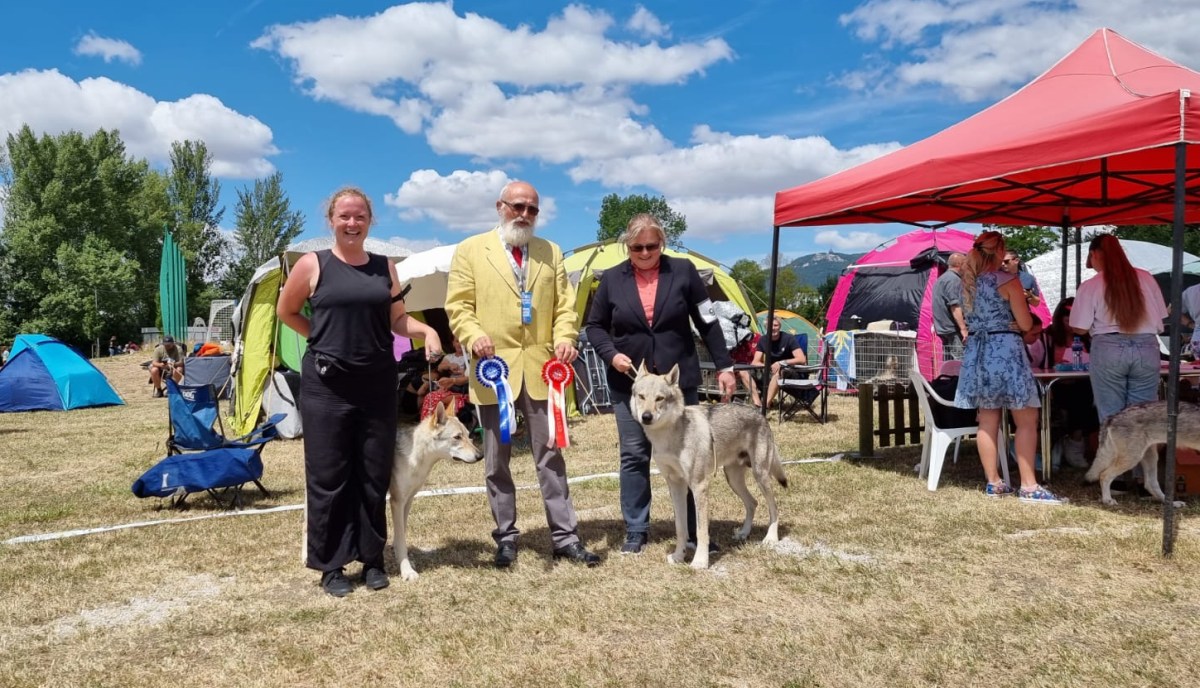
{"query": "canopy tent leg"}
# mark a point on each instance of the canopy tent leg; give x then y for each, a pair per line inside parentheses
(1176, 322)
(770, 318)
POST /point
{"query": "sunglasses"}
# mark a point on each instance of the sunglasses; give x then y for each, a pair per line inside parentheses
(644, 248)
(1008, 261)
(522, 208)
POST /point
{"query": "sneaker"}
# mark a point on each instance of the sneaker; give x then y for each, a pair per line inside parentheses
(634, 543)
(1073, 453)
(335, 583)
(374, 577)
(157, 394)
(1040, 495)
(997, 491)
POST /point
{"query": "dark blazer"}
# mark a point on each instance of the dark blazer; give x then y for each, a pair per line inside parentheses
(616, 323)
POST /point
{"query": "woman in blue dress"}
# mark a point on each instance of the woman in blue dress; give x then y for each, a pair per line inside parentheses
(995, 371)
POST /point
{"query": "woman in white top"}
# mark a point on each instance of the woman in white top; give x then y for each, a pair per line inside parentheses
(1122, 309)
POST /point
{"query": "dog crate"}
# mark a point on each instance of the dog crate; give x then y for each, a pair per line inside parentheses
(883, 357)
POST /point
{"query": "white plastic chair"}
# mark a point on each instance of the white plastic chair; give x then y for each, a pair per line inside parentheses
(936, 441)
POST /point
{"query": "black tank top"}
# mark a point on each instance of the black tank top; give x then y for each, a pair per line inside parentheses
(351, 311)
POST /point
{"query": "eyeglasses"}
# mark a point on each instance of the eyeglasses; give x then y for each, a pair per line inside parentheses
(1007, 261)
(522, 208)
(644, 248)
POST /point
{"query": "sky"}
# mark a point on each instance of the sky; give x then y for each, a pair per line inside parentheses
(431, 108)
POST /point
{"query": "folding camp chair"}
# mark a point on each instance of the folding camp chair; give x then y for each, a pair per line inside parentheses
(199, 456)
(806, 391)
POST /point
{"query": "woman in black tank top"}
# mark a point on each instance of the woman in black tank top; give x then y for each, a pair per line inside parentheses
(348, 392)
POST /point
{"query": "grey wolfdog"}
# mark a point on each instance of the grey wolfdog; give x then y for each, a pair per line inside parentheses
(1132, 436)
(690, 442)
(418, 448)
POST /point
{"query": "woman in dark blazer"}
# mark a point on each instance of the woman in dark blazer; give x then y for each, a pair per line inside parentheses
(642, 313)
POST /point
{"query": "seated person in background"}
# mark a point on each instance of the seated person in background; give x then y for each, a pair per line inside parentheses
(1073, 400)
(786, 349)
(452, 369)
(744, 354)
(113, 347)
(167, 360)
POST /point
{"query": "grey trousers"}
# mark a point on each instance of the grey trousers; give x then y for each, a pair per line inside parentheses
(551, 474)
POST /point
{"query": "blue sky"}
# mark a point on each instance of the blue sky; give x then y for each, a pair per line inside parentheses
(432, 107)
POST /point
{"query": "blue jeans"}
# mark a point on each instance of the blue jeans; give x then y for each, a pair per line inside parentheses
(635, 466)
(1124, 371)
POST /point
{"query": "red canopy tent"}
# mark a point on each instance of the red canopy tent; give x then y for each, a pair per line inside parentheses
(1102, 137)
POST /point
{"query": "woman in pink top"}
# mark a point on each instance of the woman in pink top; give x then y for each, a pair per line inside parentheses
(1122, 309)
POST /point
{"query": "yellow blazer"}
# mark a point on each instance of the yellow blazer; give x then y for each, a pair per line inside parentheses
(482, 299)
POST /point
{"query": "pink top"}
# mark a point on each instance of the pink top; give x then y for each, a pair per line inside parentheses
(647, 284)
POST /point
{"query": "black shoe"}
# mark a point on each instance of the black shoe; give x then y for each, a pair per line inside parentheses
(506, 555)
(335, 583)
(634, 543)
(690, 546)
(576, 553)
(374, 577)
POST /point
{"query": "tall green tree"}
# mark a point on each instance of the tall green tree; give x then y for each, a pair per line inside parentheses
(266, 224)
(76, 203)
(1160, 234)
(757, 282)
(1029, 241)
(617, 211)
(194, 197)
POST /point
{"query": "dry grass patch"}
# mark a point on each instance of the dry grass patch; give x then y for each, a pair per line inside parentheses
(878, 582)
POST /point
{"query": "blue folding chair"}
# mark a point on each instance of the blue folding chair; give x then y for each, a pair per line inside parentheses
(199, 456)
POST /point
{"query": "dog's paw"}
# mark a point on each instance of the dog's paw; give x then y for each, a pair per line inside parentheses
(700, 564)
(771, 538)
(408, 573)
(1108, 501)
(1180, 505)
(676, 559)
(741, 535)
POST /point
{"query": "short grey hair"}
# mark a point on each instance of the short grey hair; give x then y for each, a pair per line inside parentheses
(643, 222)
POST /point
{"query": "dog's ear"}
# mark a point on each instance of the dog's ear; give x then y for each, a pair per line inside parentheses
(642, 369)
(672, 376)
(439, 415)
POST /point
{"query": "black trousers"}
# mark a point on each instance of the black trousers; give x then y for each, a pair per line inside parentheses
(349, 446)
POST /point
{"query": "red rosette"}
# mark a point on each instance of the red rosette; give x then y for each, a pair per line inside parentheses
(557, 374)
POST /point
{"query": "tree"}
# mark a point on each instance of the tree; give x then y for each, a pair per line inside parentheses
(1029, 241)
(266, 224)
(195, 219)
(1161, 234)
(77, 204)
(616, 212)
(756, 281)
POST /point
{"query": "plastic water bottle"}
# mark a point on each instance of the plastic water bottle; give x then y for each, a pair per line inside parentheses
(1077, 354)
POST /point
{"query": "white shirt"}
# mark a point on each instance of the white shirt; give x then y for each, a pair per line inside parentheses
(1091, 313)
(1191, 302)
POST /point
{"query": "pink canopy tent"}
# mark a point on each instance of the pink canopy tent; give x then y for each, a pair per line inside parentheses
(1108, 135)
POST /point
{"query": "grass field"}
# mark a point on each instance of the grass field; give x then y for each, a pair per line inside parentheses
(877, 582)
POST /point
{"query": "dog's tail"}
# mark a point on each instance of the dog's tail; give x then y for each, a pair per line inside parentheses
(1102, 454)
(777, 464)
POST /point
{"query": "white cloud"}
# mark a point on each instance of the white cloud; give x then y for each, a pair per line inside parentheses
(725, 219)
(724, 165)
(842, 240)
(109, 49)
(50, 102)
(645, 23)
(462, 200)
(429, 69)
(982, 49)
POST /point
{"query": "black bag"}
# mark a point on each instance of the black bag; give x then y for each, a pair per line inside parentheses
(945, 417)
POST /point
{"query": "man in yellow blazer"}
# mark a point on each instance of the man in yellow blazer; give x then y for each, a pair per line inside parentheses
(484, 300)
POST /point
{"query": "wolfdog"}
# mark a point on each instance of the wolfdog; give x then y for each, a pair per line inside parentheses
(690, 442)
(418, 448)
(1132, 437)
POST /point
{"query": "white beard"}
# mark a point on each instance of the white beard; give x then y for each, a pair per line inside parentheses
(515, 235)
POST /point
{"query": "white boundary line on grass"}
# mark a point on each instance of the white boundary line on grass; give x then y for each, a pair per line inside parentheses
(436, 492)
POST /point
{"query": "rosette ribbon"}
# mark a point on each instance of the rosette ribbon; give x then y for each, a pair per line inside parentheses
(557, 375)
(493, 374)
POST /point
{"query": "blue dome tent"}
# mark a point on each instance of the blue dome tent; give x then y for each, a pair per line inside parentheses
(44, 374)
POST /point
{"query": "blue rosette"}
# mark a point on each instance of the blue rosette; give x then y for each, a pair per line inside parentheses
(493, 374)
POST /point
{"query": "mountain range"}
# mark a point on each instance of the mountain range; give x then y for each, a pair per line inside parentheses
(813, 269)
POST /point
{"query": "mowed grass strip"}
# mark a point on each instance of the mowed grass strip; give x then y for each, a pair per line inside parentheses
(878, 582)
